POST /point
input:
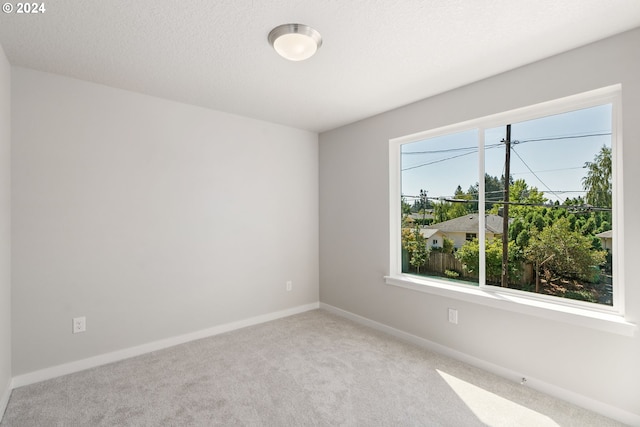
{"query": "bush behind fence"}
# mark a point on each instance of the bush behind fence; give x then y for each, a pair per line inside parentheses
(439, 262)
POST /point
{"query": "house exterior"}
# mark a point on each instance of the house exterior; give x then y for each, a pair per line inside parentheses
(462, 229)
(606, 239)
(433, 236)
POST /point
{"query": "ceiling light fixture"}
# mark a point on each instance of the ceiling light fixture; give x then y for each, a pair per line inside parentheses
(295, 42)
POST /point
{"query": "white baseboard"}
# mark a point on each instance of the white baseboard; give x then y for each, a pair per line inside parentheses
(103, 359)
(607, 410)
(5, 394)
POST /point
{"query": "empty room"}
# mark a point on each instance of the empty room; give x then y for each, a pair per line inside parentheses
(382, 213)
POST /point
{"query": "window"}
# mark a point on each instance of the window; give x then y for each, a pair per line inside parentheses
(525, 201)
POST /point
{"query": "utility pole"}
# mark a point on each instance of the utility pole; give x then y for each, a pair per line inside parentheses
(423, 201)
(505, 210)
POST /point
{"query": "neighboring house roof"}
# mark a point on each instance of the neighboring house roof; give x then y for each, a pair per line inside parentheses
(470, 224)
(605, 234)
(428, 232)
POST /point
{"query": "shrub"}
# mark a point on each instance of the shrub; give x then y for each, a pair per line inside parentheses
(451, 274)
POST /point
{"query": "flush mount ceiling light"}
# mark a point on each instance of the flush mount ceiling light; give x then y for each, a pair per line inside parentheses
(295, 42)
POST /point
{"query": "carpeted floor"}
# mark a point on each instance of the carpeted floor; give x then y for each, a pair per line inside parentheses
(311, 369)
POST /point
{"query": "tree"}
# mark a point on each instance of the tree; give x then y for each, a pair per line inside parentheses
(469, 255)
(447, 245)
(516, 227)
(558, 252)
(406, 207)
(459, 209)
(522, 239)
(416, 246)
(446, 248)
(589, 226)
(598, 182)
(493, 188)
(441, 211)
(520, 192)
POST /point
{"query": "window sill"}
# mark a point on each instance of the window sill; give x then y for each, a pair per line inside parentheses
(606, 322)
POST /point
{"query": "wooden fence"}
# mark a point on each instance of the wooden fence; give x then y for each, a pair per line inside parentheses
(439, 262)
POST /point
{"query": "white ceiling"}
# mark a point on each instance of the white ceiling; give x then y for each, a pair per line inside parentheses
(376, 54)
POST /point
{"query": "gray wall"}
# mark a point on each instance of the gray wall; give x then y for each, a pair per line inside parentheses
(354, 230)
(149, 217)
(5, 226)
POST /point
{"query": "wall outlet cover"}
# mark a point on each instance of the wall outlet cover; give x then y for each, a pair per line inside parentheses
(79, 324)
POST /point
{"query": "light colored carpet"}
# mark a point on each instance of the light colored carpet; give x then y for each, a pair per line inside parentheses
(311, 369)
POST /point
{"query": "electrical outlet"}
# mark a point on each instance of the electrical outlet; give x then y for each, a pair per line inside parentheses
(289, 285)
(79, 324)
(453, 316)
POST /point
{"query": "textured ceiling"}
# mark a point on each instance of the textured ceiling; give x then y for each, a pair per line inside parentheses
(376, 54)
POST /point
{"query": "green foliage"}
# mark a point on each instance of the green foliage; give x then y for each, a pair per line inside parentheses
(493, 255)
(538, 221)
(451, 274)
(522, 240)
(572, 221)
(494, 189)
(604, 226)
(589, 226)
(560, 239)
(563, 253)
(469, 253)
(447, 245)
(423, 221)
(416, 246)
(516, 227)
(598, 183)
(446, 248)
(406, 207)
(520, 192)
(596, 244)
(459, 209)
(441, 211)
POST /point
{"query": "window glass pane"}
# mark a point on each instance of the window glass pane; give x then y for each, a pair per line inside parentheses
(440, 207)
(559, 211)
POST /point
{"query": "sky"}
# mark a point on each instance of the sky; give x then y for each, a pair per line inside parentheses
(548, 153)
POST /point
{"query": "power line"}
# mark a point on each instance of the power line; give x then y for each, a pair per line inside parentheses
(447, 158)
(449, 150)
(586, 135)
(550, 170)
(489, 146)
(534, 174)
(437, 161)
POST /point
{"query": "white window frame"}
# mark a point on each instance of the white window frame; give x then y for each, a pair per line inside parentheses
(598, 316)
